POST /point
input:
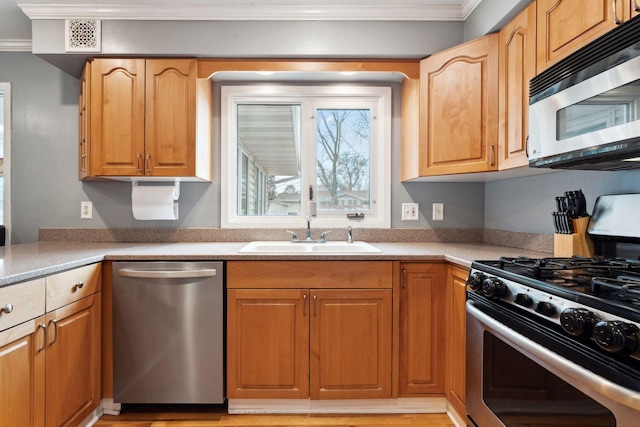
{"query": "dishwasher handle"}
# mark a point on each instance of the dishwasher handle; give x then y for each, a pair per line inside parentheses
(167, 274)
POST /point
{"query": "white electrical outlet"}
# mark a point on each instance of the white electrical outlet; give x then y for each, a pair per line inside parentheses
(438, 212)
(410, 211)
(86, 210)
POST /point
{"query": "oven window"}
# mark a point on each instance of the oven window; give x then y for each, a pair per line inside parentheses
(521, 392)
(615, 107)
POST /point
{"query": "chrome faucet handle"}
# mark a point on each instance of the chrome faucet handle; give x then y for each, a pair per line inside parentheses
(294, 236)
(349, 234)
(323, 236)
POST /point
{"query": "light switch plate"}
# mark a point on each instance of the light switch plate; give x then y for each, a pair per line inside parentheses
(410, 211)
(438, 212)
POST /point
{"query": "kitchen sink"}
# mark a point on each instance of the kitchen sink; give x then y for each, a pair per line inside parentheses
(327, 247)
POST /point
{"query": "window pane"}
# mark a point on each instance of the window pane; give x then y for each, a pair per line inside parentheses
(343, 153)
(269, 139)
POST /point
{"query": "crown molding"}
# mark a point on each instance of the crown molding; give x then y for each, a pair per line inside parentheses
(15, 45)
(402, 10)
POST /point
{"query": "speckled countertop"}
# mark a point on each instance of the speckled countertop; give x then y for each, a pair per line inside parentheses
(28, 261)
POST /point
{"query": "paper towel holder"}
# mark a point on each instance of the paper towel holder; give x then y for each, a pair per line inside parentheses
(176, 188)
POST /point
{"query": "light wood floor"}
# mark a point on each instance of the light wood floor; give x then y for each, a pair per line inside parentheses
(216, 418)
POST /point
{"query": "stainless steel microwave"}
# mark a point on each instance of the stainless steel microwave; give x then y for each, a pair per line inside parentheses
(584, 112)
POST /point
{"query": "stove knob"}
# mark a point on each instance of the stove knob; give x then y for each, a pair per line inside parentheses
(577, 321)
(524, 300)
(475, 280)
(616, 336)
(493, 287)
(545, 308)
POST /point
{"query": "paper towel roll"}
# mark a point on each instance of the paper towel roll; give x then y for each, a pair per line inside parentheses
(153, 202)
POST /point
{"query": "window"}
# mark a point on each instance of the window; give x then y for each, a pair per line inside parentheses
(284, 146)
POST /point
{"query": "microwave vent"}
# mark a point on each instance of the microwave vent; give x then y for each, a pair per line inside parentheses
(610, 49)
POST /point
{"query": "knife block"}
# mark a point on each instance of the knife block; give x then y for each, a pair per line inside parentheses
(578, 243)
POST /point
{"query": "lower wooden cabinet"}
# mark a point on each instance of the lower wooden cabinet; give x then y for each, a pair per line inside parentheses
(456, 336)
(22, 374)
(301, 343)
(422, 328)
(50, 364)
(73, 362)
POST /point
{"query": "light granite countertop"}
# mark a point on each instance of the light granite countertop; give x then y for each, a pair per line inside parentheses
(23, 262)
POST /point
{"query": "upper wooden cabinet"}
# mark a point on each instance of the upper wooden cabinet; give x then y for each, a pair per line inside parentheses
(146, 118)
(459, 109)
(517, 61)
(564, 26)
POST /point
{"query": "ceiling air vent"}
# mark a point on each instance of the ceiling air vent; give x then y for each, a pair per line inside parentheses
(82, 35)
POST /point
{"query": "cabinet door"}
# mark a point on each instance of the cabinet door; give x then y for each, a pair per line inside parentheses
(84, 122)
(459, 109)
(422, 289)
(350, 348)
(22, 377)
(456, 337)
(73, 362)
(170, 140)
(117, 117)
(267, 344)
(517, 67)
(564, 26)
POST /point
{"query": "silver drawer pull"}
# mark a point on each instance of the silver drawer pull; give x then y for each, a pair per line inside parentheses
(6, 309)
(77, 286)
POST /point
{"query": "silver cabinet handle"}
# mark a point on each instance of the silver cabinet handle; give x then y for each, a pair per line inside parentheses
(526, 146)
(615, 13)
(77, 286)
(44, 336)
(315, 298)
(6, 309)
(55, 330)
(139, 158)
(404, 278)
(304, 304)
(491, 149)
(147, 160)
(636, 7)
(167, 274)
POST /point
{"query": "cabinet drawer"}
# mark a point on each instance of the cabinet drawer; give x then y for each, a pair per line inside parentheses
(65, 288)
(26, 301)
(310, 274)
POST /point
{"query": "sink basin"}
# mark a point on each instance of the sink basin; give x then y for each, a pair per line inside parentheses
(328, 247)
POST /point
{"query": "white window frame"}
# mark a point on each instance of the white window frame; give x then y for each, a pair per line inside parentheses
(380, 155)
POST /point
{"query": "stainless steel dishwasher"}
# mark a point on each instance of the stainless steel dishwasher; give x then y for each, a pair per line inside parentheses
(168, 332)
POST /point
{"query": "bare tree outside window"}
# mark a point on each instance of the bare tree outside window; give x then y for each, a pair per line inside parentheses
(343, 152)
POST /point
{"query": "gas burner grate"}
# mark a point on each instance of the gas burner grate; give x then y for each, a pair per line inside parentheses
(621, 288)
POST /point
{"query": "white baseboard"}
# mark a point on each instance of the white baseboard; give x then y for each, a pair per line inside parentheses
(111, 408)
(92, 418)
(455, 417)
(404, 405)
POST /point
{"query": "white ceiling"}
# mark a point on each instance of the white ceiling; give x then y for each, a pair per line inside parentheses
(16, 15)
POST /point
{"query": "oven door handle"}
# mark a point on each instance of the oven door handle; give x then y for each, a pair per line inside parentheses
(557, 364)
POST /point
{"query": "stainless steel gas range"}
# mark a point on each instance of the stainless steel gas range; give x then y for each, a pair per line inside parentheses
(556, 341)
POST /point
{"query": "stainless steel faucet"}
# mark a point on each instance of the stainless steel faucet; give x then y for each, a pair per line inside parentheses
(308, 239)
(349, 234)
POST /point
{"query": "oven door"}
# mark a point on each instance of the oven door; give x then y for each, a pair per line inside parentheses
(514, 381)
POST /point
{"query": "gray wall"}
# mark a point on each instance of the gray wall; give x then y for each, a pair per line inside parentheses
(525, 204)
(47, 193)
